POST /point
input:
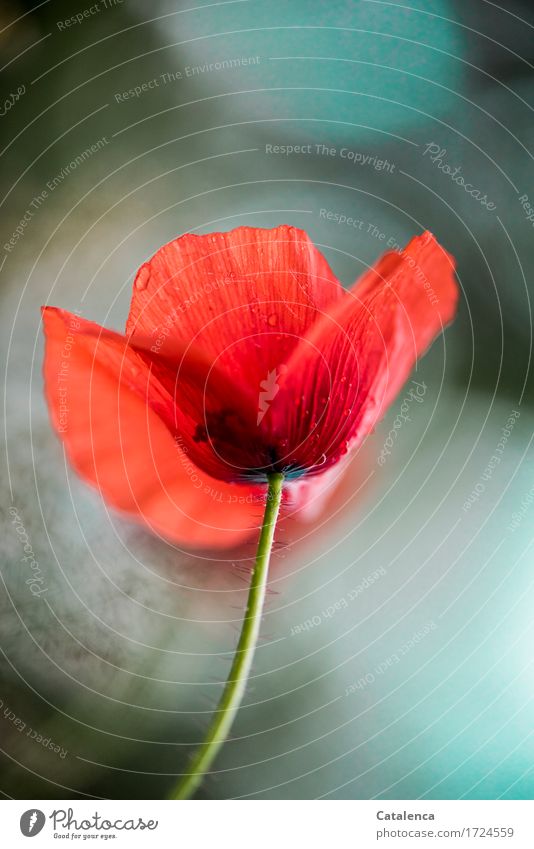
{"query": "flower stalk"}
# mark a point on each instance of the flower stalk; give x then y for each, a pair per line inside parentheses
(239, 672)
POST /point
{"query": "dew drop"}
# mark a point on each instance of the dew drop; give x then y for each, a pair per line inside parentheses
(273, 319)
(142, 278)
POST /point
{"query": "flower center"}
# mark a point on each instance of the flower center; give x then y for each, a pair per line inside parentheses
(250, 456)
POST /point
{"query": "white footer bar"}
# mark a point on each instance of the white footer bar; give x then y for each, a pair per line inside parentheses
(269, 824)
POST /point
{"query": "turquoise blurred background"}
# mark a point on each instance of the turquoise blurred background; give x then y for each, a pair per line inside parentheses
(396, 657)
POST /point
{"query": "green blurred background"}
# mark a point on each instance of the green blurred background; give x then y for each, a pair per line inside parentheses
(108, 679)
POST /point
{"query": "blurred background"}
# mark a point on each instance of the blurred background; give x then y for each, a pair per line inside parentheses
(396, 653)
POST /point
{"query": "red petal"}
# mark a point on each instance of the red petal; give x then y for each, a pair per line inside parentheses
(244, 297)
(354, 360)
(117, 441)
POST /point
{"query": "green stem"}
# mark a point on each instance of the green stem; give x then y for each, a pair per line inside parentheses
(237, 679)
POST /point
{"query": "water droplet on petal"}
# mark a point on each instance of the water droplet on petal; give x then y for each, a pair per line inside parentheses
(273, 319)
(142, 278)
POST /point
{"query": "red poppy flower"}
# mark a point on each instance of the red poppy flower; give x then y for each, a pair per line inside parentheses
(243, 355)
